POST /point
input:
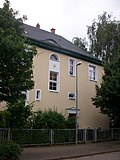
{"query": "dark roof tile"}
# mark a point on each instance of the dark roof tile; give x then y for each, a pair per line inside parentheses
(54, 39)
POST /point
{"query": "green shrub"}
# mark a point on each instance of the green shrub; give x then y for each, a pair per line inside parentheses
(49, 119)
(70, 123)
(9, 150)
(4, 119)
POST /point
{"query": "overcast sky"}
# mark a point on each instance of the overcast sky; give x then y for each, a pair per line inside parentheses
(70, 18)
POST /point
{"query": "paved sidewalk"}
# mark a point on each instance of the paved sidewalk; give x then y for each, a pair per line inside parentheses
(69, 151)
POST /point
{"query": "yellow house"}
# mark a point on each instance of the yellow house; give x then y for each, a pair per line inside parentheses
(54, 70)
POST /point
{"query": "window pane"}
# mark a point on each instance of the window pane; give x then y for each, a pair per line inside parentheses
(92, 72)
(71, 70)
(53, 86)
(38, 94)
(72, 96)
(71, 61)
(53, 76)
(53, 82)
(54, 57)
(72, 67)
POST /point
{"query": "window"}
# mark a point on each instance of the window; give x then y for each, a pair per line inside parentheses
(72, 111)
(92, 73)
(54, 57)
(26, 97)
(53, 81)
(72, 115)
(72, 67)
(38, 95)
(54, 73)
(71, 96)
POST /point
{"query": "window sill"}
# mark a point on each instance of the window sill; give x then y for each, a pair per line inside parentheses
(38, 100)
(53, 91)
(71, 98)
(71, 75)
(92, 80)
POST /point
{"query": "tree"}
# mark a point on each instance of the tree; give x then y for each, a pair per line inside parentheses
(50, 119)
(19, 115)
(4, 119)
(81, 43)
(16, 57)
(104, 37)
(108, 94)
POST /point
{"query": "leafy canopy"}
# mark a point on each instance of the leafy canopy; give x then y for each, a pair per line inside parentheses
(104, 37)
(108, 94)
(81, 43)
(4, 119)
(16, 57)
(19, 115)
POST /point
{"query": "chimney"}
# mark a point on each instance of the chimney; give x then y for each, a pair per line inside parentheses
(53, 30)
(37, 26)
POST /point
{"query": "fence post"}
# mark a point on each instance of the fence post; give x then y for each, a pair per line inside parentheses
(8, 134)
(84, 135)
(112, 135)
(95, 135)
(51, 137)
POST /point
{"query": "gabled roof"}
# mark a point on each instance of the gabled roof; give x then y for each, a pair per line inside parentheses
(57, 43)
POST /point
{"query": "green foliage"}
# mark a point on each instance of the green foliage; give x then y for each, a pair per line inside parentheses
(16, 57)
(108, 94)
(31, 136)
(50, 119)
(70, 123)
(104, 37)
(81, 43)
(9, 150)
(4, 119)
(20, 115)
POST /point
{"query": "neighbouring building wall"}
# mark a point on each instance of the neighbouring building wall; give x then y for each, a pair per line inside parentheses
(89, 116)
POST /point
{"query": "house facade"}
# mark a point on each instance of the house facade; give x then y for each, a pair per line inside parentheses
(54, 70)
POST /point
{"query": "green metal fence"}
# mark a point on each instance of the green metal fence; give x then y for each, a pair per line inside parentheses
(4, 134)
(59, 136)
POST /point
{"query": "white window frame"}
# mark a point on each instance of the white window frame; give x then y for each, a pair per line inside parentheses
(92, 72)
(72, 110)
(71, 98)
(72, 67)
(54, 66)
(26, 93)
(54, 57)
(54, 81)
(38, 94)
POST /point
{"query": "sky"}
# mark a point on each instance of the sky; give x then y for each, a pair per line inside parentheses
(70, 18)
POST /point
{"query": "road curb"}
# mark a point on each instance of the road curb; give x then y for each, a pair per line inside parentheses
(82, 155)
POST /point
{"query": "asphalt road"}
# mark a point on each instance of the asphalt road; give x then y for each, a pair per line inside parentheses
(107, 156)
